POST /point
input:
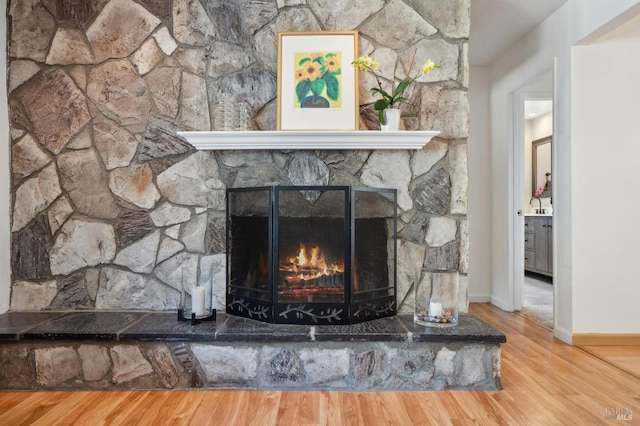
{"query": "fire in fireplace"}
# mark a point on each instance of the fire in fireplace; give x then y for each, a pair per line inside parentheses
(311, 255)
(308, 275)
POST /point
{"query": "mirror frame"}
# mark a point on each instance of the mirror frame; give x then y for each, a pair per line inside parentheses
(534, 165)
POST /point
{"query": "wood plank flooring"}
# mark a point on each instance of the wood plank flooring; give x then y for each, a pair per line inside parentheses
(545, 383)
(626, 358)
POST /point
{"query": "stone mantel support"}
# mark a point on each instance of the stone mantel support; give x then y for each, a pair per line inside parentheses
(286, 140)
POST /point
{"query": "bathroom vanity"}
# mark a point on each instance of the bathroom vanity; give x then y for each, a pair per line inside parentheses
(538, 244)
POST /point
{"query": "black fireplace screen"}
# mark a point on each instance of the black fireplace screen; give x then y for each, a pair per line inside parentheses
(311, 255)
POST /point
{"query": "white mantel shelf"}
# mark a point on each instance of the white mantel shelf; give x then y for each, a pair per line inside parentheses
(293, 139)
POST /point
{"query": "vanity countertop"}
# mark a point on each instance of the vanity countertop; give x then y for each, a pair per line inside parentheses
(539, 215)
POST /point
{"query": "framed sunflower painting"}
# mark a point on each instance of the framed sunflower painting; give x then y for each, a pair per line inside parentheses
(317, 86)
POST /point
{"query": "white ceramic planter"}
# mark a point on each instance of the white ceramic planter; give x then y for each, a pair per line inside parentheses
(392, 115)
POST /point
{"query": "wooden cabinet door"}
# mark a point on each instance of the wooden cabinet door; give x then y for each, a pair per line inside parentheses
(541, 244)
(538, 244)
(550, 245)
(529, 259)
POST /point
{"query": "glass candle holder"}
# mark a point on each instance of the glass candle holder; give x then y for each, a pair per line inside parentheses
(196, 299)
(436, 298)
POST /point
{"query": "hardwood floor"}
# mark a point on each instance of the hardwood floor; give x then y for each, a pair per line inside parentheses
(545, 383)
(626, 358)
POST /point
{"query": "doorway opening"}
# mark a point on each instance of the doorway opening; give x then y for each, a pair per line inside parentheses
(533, 200)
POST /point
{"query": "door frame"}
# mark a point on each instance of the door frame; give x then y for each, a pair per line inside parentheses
(516, 184)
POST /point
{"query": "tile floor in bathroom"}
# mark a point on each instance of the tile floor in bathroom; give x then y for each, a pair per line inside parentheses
(538, 298)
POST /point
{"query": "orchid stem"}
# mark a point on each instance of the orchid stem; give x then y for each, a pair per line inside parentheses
(413, 59)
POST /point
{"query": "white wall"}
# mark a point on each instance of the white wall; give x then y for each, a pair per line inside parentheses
(5, 201)
(532, 56)
(605, 151)
(479, 207)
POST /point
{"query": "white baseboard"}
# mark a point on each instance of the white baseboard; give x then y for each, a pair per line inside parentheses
(501, 304)
(479, 298)
(562, 334)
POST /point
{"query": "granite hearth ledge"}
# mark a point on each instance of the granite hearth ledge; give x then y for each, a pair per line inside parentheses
(295, 139)
(163, 326)
(151, 350)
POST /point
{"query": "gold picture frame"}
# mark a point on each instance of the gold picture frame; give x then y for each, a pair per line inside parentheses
(317, 85)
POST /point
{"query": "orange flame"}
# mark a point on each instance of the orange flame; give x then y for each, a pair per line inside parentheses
(310, 264)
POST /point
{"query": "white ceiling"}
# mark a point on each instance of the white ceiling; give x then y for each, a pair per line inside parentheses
(497, 24)
(541, 91)
(535, 109)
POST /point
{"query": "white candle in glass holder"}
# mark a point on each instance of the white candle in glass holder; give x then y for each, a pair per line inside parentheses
(435, 309)
(198, 300)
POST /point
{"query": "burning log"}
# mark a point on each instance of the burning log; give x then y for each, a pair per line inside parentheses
(321, 282)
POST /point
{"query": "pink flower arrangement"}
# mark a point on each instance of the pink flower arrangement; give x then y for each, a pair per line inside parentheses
(538, 193)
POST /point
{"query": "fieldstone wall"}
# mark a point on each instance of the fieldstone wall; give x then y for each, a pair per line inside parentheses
(111, 210)
(293, 365)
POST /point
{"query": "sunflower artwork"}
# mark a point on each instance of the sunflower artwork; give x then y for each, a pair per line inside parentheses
(318, 80)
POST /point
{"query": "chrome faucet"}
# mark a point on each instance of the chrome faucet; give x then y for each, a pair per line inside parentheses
(539, 209)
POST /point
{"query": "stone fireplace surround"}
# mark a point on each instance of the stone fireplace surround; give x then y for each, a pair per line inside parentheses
(137, 349)
(111, 137)
(103, 190)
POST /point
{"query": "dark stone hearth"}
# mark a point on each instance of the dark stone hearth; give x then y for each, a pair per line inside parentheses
(30, 251)
(431, 192)
(236, 329)
(387, 329)
(77, 350)
(163, 326)
(12, 323)
(72, 294)
(131, 226)
(82, 326)
(470, 328)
